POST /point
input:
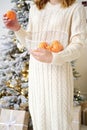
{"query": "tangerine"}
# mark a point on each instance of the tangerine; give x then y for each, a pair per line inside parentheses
(48, 47)
(11, 14)
(43, 45)
(56, 46)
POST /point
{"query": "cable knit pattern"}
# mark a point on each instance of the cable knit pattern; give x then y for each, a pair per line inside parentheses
(51, 85)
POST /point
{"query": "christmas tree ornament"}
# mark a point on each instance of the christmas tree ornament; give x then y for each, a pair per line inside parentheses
(24, 71)
(18, 88)
(0, 95)
(24, 92)
(25, 79)
(14, 64)
(19, 5)
(14, 40)
(3, 92)
(8, 83)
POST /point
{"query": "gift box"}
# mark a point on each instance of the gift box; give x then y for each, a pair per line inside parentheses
(77, 118)
(14, 120)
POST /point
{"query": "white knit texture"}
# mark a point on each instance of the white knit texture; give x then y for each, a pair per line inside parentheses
(51, 85)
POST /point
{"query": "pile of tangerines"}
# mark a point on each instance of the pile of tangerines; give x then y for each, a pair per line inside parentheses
(55, 46)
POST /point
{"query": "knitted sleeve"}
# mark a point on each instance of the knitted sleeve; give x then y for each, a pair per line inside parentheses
(22, 34)
(77, 38)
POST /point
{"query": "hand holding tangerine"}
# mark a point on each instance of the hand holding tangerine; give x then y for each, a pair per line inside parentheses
(10, 20)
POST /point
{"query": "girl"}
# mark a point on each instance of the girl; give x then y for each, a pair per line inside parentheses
(50, 74)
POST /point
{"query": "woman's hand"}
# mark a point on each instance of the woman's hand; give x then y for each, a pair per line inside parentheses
(11, 24)
(42, 55)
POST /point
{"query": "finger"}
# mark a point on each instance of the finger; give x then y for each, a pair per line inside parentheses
(44, 51)
(38, 58)
(4, 15)
(5, 18)
(7, 22)
(35, 53)
(41, 49)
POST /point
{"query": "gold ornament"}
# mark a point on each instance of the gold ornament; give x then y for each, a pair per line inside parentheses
(11, 86)
(19, 6)
(3, 93)
(79, 92)
(21, 50)
(24, 73)
(0, 95)
(14, 40)
(26, 79)
(24, 92)
(8, 83)
(18, 87)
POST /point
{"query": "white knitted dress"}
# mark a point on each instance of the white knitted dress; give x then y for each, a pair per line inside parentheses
(51, 85)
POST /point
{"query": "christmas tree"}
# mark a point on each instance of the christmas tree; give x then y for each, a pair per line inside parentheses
(14, 64)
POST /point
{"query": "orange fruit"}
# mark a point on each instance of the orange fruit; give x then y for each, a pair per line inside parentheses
(11, 14)
(48, 47)
(43, 45)
(56, 46)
